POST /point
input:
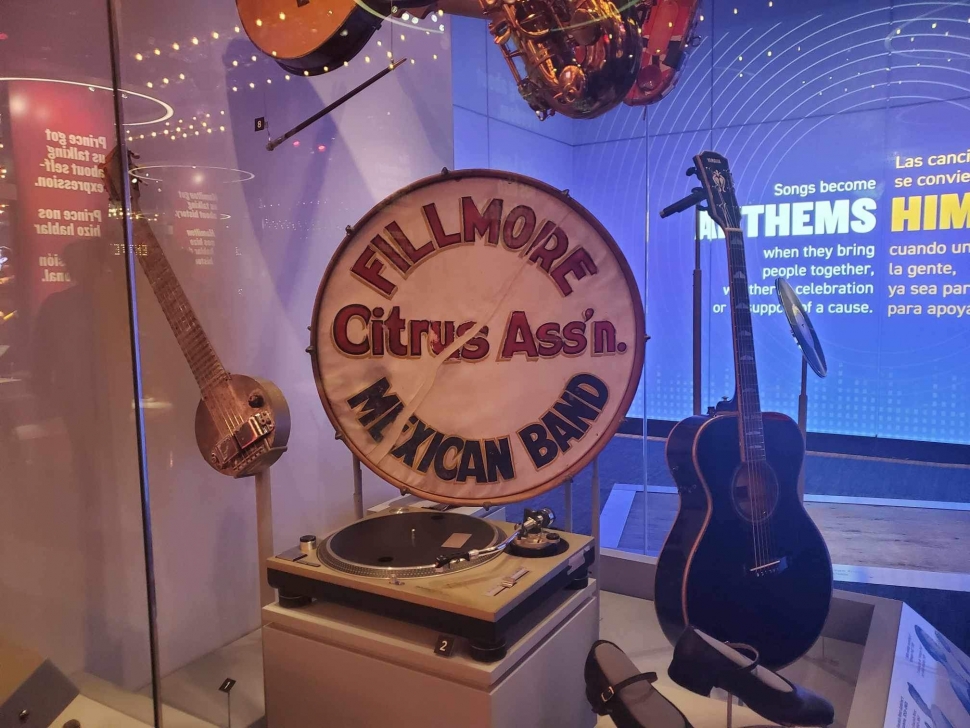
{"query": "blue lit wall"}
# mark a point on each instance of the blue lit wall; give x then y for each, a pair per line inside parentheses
(794, 94)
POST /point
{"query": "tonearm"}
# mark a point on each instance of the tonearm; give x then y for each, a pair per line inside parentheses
(532, 523)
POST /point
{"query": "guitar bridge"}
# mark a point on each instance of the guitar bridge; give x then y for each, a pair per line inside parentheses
(255, 428)
(774, 567)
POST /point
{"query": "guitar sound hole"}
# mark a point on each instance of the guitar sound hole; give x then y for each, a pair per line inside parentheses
(755, 492)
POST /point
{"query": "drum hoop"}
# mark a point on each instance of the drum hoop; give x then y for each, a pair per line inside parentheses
(638, 345)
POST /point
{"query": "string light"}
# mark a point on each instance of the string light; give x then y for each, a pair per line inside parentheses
(195, 41)
(175, 46)
(181, 77)
(215, 35)
(139, 57)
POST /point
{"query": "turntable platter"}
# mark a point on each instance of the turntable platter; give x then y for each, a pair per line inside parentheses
(406, 544)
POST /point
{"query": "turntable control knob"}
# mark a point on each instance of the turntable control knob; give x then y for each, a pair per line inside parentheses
(308, 544)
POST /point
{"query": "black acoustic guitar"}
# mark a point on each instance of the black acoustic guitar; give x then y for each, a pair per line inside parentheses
(743, 561)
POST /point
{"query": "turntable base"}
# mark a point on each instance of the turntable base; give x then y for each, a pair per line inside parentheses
(470, 602)
(329, 664)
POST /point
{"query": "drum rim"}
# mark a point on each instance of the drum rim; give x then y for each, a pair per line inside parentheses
(638, 345)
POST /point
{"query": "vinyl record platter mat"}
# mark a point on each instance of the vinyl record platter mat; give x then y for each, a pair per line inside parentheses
(476, 339)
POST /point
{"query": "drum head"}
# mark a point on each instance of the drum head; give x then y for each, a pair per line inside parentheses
(801, 327)
(477, 338)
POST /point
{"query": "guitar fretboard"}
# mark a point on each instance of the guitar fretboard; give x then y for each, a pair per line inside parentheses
(745, 368)
(201, 357)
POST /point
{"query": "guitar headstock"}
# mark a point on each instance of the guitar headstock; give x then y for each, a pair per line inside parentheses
(715, 176)
(112, 173)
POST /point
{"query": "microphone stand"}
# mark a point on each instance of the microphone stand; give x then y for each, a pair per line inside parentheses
(698, 303)
(696, 200)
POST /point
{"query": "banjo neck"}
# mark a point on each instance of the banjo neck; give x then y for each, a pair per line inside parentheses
(195, 345)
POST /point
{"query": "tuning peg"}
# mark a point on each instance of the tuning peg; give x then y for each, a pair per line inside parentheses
(692, 171)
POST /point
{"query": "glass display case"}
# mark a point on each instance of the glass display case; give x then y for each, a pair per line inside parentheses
(133, 561)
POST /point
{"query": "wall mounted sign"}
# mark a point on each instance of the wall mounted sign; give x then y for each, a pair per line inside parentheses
(477, 337)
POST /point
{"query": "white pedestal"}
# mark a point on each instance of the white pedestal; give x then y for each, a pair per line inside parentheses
(330, 665)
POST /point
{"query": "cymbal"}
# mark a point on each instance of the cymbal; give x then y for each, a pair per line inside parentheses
(801, 327)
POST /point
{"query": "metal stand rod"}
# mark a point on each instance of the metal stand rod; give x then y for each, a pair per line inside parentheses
(346, 97)
(358, 490)
(264, 533)
(229, 710)
(698, 303)
(803, 422)
(568, 505)
(730, 709)
(595, 508)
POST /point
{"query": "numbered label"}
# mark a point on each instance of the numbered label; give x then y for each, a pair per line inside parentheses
(445, 645)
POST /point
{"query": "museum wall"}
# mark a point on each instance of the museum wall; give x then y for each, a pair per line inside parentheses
(836, 92)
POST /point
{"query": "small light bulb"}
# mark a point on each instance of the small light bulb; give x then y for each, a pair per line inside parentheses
(195, 41)
(215, 35)
(259, 22)
(139, 56)
(175, 46)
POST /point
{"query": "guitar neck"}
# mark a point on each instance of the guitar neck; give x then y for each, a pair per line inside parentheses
(745, 367)
(201, 357)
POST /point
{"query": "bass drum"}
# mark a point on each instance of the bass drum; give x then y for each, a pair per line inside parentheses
(477, 338)
(310, 37)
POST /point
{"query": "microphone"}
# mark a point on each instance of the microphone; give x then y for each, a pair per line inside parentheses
(695, 197)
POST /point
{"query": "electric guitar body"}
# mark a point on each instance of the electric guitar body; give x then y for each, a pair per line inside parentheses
(311, 37)
(668, 36)
(743, 562)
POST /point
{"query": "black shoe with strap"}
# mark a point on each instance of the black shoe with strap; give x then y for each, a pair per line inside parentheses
(614, 687)
(702, 663)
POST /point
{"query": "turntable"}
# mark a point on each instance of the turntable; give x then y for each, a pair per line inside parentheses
(457, 574)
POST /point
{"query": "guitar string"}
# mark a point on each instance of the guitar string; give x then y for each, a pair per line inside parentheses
(735, 266)
(753, 430)
(181, 323)
(157, 260)
(761, 477)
